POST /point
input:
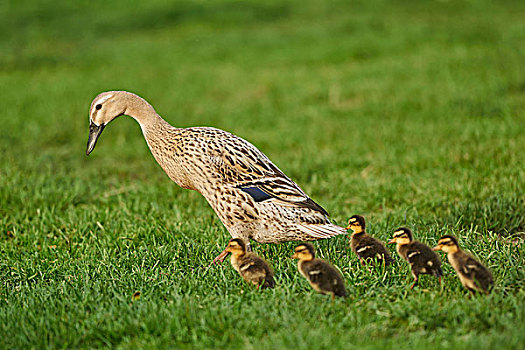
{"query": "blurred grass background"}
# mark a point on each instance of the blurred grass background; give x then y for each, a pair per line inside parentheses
(407, 112)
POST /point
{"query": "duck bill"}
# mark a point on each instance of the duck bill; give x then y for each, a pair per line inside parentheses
(437, 248)
(347, 227)
(391, 241)
(94, 133)
(294, 256)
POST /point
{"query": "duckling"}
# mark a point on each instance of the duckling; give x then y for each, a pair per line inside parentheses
(249, 265)
(473, 275)
(366, 247)
(323, 277)
(421, 258)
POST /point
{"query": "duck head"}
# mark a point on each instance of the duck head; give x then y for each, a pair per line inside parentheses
(356, 223)
(402, 235)
(448, 244)
(104, 108)
(236, 247)
(304, 251)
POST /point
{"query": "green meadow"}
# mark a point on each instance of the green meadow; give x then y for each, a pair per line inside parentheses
(410, 113)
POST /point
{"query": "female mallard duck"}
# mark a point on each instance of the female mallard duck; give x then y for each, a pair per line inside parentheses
(421, 258)
(473, 275)
(323, 277)
(249, 265)
(252, 197)
(366, 247)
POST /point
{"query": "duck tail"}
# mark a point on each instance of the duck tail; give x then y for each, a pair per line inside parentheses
(389, 260)
(269, 282)
(322, 231)
(341, 292)
(438, 272)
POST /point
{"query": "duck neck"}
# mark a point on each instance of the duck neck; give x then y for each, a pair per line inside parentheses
(399, 246)
(454, 251)
(234, 259)
(161, 137)
(238, 254)
(358, 229)
(358, 233)
(156, 130)
(144, 113)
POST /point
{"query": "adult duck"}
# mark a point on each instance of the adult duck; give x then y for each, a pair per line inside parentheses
(252, 197)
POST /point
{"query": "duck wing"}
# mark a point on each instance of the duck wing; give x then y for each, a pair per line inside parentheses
(477, 272)
(241, 165)
(326, 277)
(372, 248)
(255, 269)
(422, 256)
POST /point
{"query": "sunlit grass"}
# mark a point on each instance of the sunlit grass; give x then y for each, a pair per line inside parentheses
(409, 113)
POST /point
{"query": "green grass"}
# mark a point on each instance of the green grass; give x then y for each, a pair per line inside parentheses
(407, 112)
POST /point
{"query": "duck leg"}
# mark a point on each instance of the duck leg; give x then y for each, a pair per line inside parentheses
(416, 280)
(364, 264)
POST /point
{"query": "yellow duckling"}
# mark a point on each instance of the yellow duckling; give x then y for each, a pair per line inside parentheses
(473, 275)
(323, 277)
(250, 266)
(421, 258)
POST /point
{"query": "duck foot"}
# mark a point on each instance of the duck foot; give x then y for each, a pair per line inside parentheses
(414, 284)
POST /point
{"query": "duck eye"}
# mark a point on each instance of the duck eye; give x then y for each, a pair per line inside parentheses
(97, 107)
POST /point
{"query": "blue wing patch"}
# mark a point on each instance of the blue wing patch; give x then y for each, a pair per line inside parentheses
(257, 194)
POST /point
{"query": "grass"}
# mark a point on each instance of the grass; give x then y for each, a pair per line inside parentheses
(407, 112)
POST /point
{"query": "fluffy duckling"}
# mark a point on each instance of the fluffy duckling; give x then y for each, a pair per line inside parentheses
(473, 275)
(323, 277)
(249, 265)
(366, 247)
(421, 258)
